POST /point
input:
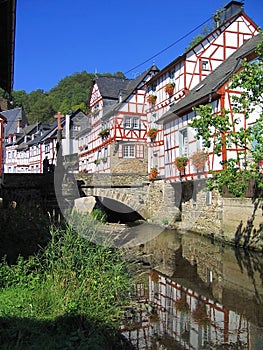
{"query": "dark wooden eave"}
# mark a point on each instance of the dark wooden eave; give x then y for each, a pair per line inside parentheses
(7, 43)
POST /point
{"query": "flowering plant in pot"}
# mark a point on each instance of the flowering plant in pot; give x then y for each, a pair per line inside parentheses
(152, 99)
(199, 159)
(169, 88)
(104, 133)
(181, 163)
(152, 133)
(153, 174)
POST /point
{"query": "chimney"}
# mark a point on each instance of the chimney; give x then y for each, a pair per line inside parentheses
(231, 9)
(19, 121)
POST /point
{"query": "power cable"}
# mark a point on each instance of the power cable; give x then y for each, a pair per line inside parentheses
(168, 47)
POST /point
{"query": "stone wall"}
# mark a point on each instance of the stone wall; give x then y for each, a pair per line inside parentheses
(128, 165)
(201, 209)
(242, 221)
(238, 221)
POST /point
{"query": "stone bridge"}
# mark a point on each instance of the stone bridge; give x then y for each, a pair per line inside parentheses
(131, 192)
(123, 193)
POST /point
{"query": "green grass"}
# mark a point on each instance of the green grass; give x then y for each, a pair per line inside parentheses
(70, 295)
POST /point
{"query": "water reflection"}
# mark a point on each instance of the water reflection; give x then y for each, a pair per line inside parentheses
(198, 295)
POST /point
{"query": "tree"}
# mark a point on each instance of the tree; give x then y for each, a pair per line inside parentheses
(71, 93)
(221, 131)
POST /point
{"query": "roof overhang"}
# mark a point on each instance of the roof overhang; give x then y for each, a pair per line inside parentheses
(7, 43)
(175, 113)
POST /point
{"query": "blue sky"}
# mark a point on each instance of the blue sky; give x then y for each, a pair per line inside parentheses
(56, 38)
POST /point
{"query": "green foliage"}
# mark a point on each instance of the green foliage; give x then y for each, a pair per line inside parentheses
(218, 131)
(71, 93)
(72, 278)
(99, 215)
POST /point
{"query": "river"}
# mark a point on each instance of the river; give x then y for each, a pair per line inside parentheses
(195, 293)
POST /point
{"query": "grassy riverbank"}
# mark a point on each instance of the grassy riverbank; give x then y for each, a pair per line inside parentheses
(70, 295)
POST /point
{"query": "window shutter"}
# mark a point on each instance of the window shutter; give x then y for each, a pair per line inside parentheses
(120, 153)
(180, 143)
(139, 151)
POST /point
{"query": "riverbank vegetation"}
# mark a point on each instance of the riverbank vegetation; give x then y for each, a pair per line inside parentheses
(71, 294)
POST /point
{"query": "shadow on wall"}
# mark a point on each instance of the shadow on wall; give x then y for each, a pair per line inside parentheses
(247, 235)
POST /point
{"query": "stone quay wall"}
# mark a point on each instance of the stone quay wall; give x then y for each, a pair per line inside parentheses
(238, 221)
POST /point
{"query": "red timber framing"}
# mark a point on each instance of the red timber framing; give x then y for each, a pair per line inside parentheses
(166, 295)
(215, 49)
(118, 126)
(185, 73)
(215, 90)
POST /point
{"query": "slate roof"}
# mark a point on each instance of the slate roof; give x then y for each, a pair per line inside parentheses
(208, 87)
(12, 116)
(110, 87)
(132, 85)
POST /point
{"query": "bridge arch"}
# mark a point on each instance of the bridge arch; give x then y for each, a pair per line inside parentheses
(128, 197)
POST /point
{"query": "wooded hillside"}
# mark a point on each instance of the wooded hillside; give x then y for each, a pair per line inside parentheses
(70, 93)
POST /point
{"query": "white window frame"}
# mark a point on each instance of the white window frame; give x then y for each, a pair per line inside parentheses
(132, 123)
(183, 142)
(128, 151)
(205, 65)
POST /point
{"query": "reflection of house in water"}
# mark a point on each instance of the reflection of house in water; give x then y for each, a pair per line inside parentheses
(201, 305)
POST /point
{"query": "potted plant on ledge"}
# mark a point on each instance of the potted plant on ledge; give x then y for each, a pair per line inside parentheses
(199, 159)
(181, 163)
(152, 133)
(152, 99)
(169, 88)
(153, 174)
(104, 133)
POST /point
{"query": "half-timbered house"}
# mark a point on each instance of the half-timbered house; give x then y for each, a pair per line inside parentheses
(116, 140)
(171, 84)
(215, 89)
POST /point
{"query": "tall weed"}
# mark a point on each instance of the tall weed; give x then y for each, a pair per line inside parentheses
(71, 276)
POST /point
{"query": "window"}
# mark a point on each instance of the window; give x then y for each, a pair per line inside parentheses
(154, 119)
(105, 152)
(47, 148)
(139, 151)
(171, 74)
(183, 142)
(132, 123)
(136, 123)
(205, 65)
(128, 151)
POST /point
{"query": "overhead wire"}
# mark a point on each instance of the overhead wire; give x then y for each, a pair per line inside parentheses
(169, 46)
